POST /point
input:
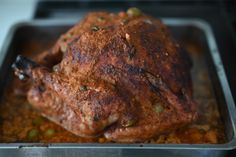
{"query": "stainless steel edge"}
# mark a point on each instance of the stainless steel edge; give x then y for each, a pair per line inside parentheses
(205, 27)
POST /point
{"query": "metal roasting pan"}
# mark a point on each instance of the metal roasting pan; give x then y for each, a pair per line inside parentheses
(196, 29)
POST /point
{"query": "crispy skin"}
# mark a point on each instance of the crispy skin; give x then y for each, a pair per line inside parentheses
(114, 70)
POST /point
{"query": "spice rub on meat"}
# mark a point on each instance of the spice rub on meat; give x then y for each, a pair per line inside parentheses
(118, 75)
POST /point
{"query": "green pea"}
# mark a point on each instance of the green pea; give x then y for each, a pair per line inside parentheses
(134, 12)
(33, 133)
(83, 88)
(38, 121)
(49, 132)
(158, 108)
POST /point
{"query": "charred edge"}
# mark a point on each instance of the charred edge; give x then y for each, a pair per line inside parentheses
(134, 70)
(153, 86)
(22, 67)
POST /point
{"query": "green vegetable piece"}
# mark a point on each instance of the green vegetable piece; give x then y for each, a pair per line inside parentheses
(38, 121)
(128, 123)
(100, 19)
(33, 133)
(134, 12)
(83, 88)
(95, 28)
(49, 132)
(158, 108)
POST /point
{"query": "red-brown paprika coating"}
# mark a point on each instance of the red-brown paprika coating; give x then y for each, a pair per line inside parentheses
(118, 75)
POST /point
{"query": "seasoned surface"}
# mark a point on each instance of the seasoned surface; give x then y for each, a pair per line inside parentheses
(22, 123)
(127, 80)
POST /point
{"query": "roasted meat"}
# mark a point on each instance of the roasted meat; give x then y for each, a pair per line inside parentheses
(118, 75)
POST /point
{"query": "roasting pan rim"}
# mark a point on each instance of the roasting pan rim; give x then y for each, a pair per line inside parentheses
(195, 22)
